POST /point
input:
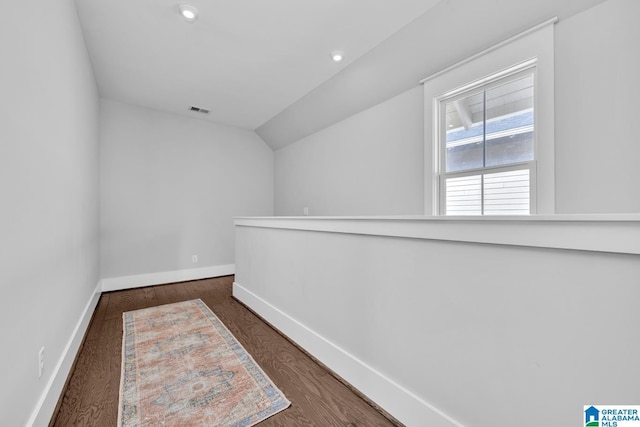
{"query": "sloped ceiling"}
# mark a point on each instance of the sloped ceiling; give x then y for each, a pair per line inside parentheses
(449, 32)
(245, 60)
(265, 65)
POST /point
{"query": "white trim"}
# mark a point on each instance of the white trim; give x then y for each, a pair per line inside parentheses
(140, 280)
(46, 405)
(511, 73)
(598, 233)
(398, 401)
(492, 48)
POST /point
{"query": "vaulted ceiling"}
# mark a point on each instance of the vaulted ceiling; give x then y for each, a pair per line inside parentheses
(244, 60)
(266, 66)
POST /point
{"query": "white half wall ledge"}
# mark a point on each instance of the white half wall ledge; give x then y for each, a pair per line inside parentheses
(164, 277)
(41, 415)
(478, 330)
(383, 391)
(613, 233)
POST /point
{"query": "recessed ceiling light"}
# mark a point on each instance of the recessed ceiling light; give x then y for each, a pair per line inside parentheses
(188, 12)
(337, 56)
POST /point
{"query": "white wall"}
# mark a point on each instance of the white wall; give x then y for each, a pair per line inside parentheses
(338, 170)
(369, 164)
(597, 88)
(49, 259)
(170, 187)
(479, 332)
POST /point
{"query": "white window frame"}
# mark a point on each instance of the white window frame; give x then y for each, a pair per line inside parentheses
(531, 46)
(488, 83)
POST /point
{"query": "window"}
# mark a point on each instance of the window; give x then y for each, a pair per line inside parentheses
(489, 130)
(487, 146)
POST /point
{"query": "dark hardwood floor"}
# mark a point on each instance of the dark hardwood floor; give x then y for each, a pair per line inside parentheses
(317, 397)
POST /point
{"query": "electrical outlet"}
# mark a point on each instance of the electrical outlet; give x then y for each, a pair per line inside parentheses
(306, 211)
(40, 362)
(194, 258)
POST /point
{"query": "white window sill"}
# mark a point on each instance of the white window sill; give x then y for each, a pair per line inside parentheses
(615, 233)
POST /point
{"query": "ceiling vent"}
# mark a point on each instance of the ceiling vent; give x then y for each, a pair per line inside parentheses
(199, 109)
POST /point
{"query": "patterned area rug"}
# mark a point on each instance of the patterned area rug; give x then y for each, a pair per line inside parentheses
(182, 367)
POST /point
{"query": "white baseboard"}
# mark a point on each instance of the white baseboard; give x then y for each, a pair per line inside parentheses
(41, 415)
(140, 280)
(392, 397)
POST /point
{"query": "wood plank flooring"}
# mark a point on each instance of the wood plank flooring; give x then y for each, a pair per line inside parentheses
(317, 397)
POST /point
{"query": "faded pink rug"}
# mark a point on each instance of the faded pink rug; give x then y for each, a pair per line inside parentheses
(182, 367)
